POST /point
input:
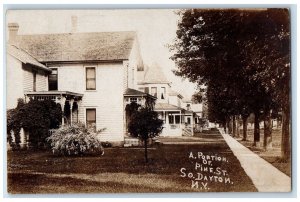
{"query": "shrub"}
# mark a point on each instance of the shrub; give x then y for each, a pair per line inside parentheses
(35, 117)
(75, 140)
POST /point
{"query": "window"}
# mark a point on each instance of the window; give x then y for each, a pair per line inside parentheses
(34, 81)
(90, 78)
(146, 89)
(171, 119)
(52, 80)
(188, 120)
(177, 119)
(163, 93)
(91, 117)
(154, 91)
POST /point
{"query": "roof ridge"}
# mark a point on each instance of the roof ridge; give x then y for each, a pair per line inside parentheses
(74, 33)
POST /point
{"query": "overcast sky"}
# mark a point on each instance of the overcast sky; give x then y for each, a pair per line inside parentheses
(155, 28)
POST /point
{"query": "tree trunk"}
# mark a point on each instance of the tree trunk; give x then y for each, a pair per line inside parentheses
(267, 130)
(237, 123)
(244, 127)
(285, 138)
(256, 142)
(224, 125)
(230, 126)
(146, 152)
(233, 126)
(227, 125)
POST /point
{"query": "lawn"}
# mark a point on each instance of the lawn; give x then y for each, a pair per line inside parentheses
(122, 170)
(272, 155)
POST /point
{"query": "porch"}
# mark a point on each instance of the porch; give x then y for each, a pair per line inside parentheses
(69, 102)
(177, 121)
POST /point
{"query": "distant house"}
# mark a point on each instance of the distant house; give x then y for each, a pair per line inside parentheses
(93, 76)
(178, 120)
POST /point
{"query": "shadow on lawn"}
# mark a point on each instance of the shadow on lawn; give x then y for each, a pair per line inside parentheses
(120, 170)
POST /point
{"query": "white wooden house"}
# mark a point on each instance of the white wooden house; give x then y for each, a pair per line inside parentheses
(88, 72)
(93, 76)
(178, 120)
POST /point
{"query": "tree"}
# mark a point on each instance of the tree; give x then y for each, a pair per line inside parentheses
(145, 124)
(245, 54)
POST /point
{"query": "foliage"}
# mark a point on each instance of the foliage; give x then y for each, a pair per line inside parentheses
(242, 56)
(35, 117)
(145, 124)
(75, 139)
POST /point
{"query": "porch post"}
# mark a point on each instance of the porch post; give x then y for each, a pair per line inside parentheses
(62, 104)
(71, 113)
(180, 121)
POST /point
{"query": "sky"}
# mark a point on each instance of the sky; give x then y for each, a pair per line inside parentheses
(155, 29)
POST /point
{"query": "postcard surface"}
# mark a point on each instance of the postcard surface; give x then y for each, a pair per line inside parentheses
(148, 101)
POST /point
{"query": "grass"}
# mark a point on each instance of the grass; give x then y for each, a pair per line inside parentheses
(121, 170)
(271, 155)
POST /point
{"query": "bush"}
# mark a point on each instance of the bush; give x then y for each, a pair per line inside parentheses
(75, 140)
(35, 117)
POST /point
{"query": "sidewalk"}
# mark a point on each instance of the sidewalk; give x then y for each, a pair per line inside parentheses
(264, 175)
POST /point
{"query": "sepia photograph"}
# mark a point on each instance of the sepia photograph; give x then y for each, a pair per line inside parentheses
(186, 100)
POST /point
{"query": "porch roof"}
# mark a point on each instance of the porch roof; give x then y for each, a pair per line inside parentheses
(167, 107)
(53, 93)
(136, 93)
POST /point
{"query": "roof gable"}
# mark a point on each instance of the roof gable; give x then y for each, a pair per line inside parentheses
(98, 46)
(154, 74)
(25, 57)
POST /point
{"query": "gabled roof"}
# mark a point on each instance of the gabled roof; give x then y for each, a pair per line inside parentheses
(154, 74)
(25, 57)
(133, 92)
(98, 46)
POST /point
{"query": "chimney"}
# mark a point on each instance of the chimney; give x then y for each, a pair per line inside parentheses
(74, 22)
(13, 31)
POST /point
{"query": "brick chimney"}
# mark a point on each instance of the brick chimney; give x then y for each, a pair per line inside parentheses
(74, 21)
(13, 31)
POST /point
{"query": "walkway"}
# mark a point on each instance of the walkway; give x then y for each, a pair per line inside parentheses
(264, 175)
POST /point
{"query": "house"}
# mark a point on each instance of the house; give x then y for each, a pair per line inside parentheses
(178, 120)
(89, 73)
(93, 77)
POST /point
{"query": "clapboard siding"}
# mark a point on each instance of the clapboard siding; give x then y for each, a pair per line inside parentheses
(41, 79)
(27, 78)
(107, 99)
(14, 81)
